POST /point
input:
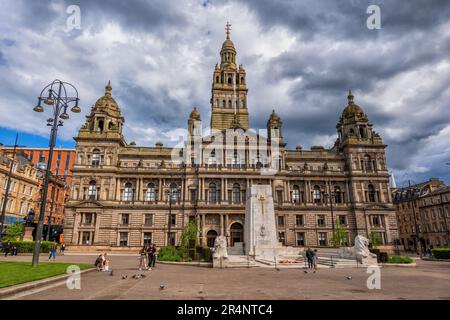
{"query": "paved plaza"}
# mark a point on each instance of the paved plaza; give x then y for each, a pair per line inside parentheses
(429, 280)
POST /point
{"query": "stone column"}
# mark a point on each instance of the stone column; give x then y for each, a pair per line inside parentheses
(97, 227)
(221, 225)
(117, 189)
(203, 229)
(226, 227)
(380, 187)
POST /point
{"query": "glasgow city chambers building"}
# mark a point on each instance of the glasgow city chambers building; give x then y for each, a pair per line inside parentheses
(124, 196)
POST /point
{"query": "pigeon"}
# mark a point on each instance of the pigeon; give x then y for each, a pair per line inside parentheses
(161, 287)
(349, 277)
(305, 271)
(124, 277)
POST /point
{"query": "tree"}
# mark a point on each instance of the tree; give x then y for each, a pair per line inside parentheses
(14, 231)
(189, 235)
(340, 236)
(375, 239)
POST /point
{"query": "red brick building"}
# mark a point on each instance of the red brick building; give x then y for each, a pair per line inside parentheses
(60, 181)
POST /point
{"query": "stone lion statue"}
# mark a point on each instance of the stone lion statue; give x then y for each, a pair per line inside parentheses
(360, 251)
(220, 247)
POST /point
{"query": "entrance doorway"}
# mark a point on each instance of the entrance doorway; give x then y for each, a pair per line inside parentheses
(211, 237)
(237, 233)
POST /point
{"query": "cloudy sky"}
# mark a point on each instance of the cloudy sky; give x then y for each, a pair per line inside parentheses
(301, 57)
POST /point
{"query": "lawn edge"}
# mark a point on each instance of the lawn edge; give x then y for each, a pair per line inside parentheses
(11, 290)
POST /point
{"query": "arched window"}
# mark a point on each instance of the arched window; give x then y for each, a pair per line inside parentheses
(92, 190)
(96, 157)
(236, 193)
(128, 192)
(151, 192)
(224, 103)
(211, 238)
(242, 80)
(229, 104)
(100, 126)
(337, 195)
(367, 163)
(173, 192)
(317, 196)
(229, 80)
(236, 160)
(212, 192)
(217, 79)
(296, 194)
(362, 133)
(212, 159)
(371, 193)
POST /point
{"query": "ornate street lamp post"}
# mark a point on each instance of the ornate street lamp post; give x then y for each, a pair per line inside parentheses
(56, 95)
(330, 196)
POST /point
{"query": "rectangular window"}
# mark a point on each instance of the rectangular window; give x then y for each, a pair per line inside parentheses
(300, 239)
(86, 237)
(321, 220)
(343, 220)
(173, 219)
(280, 221)
(147, 238)
(88, 218)
(193, 195)
(148, 219)
(299, 221)
(280, 196)
(376, 220)
(171, 238)
(123, 239)
(281, 238)
(24, 189)
(322, 239)
(125, 219)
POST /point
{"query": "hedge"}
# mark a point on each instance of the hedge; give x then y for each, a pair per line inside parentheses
(28, 246)
(178, 254)
(441, 253)
(400, 259)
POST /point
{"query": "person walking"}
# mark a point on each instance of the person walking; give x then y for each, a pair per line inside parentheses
(151, 256)
(314, 260)
(7, 247)
(143, 258)
(62, 248)
(309, 257)
(52, 253)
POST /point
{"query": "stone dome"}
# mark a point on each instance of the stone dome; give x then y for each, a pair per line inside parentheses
(274, 117)
(107, 103)
(195, 115)
(228, 45)
(352, 108)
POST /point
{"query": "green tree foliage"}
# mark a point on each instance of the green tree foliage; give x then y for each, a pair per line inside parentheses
(340, 236)
(375, 239)
(14, 232)
(189, 235)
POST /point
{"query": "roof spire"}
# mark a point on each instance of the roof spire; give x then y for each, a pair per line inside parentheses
(350, 97)
(228, 29)
(108, 88)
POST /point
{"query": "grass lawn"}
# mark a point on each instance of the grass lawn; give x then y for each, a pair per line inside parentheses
(12, 273)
